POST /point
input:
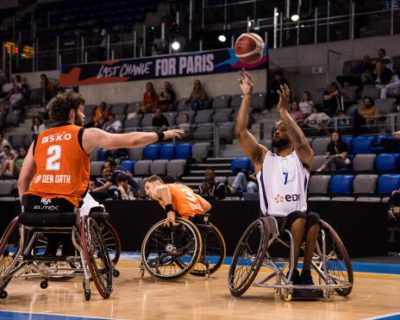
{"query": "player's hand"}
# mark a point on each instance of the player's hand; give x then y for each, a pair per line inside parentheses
(170, 220)
(284, 96)
(174, 133)
(245, 82)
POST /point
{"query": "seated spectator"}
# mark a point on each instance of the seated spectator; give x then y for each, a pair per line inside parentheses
(18, 161)
(361, 72)
(244, 182)
(16, 97)
(113, 171)
(186, 126)
(318, 120)
(198, 98)
(332, 100)
(383, 67)
(3, 141)
(394, 85)
(277, 81)
(124, 188)
(6, 161)
(23, 86)
(150, 99)
(369, 111)
(336, 154)
(295, 111)
(37, 126)
(100, 115)
(113, 125)
(306, 104)
(394, 205)
(47, 89)
(160, 122)
(7, 87)
(167, 97)
(210, 188)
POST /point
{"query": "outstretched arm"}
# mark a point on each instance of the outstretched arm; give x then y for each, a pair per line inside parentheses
(248, 143)
(94, 137)
(296, 135)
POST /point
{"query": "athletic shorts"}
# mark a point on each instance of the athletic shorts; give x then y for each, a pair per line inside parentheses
(39, 204)
(286, 222)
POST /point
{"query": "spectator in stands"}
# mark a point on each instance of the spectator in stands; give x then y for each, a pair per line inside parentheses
(18, 161)
(332, 100)
(7, 87)
(16, 97)
(210, 188)
(6, 161)
(167, 97)
(23, 86)
(244, 181)
(306, 104)
(150, 99)
(3, 141)
(113, 171)
(113, 125)
(37, 126)
(360, 72)
(198, 98)
(295, 111)
(369, 111)
(100, 115)
(124, 188)
(160, 122)
(278, 80)
(336, 154)
(47, 88)
(318, 120)
(186, 126)
(383, 67)
(394, 84)
(394, 205)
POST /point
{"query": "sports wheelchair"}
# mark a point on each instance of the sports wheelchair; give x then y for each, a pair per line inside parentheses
(21, 249)
(262, 244)
(194, 246)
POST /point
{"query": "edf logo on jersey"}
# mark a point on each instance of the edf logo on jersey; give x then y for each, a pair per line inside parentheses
(287, 197)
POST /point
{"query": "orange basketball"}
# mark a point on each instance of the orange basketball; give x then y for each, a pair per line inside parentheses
(249, 48)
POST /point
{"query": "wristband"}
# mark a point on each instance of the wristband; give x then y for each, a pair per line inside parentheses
(160, 135)
(168, 208)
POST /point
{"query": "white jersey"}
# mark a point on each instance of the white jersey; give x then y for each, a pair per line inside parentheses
(283, 185)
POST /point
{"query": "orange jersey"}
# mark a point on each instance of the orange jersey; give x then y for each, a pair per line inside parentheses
(62, 166)
(184, 200)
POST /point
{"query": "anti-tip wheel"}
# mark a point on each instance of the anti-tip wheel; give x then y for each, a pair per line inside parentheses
(287, 296)
(87, 294)
(3, 294)
(44, 284)
(329, 294)
(115, 273)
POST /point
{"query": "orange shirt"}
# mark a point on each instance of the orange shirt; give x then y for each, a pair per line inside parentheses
(184, 200)
(100, 114)
(62, 166)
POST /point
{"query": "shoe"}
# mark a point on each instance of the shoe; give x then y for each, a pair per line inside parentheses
(306, 279)
(231, 190)
(295, 277)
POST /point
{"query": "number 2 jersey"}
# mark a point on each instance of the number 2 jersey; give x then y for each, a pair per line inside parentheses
(62, 166)
(283, 185)
(184, 200)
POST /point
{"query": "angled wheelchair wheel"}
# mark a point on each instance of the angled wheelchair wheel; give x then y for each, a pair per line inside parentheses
(171, 252)
(9, 245)
(112, 241)
(248, 257)
(96, 256)
(214, 251)
(338, 265)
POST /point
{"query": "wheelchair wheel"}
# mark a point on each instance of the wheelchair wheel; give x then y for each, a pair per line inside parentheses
(96, 256)
(213, 253)
(337, 259)
(112, 241)
(248, 257)
(169, 253)
(9, 244)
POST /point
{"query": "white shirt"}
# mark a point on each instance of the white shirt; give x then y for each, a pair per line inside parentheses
(283, 185)
(389, 64)
(306, 107)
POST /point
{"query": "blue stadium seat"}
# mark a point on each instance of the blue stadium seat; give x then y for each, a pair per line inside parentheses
(349, 141)
(241, 163)
(184, 151)
(386, 161)
(101, 155)
(128, 165)
(362, 144)
(341, 183)
(388, 182)
(151, 152)
(167, 151)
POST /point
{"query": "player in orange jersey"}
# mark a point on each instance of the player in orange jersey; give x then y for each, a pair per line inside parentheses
(175, 198)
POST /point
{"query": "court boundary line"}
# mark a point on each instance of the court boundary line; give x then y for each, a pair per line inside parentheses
(384, 316)
(63, 315)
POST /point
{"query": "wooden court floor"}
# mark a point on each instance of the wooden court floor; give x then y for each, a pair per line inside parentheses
(374, 295)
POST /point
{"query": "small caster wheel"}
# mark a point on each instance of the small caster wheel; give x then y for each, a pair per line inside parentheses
(141, 270)
(115, 273)
(3, 294)
(329, 295)
(87, 294)
(44, 284)
(287, 296)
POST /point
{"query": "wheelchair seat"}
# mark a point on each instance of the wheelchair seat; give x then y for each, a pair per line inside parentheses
(200, 218)
(99, 216)
(46, 219)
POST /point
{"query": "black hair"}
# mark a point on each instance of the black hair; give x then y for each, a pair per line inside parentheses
(122, 177)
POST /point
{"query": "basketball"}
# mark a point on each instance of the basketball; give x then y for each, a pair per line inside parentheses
(249, 48)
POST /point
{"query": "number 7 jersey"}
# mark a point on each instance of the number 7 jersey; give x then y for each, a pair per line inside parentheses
(62, 166)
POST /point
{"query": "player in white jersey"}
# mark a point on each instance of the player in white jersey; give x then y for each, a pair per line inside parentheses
(283, 176)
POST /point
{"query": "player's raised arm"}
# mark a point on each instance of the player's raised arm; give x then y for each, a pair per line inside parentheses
(299, 140)
(248, 143)
(94, 137)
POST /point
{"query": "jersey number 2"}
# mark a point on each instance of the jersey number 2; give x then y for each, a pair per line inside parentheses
(53, 158)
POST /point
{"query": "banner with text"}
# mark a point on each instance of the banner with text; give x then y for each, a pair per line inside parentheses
(180, 65)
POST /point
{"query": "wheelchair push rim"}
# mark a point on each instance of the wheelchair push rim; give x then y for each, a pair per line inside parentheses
(171, 252)
(111, 241)
(248, 257)
(8, 248)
